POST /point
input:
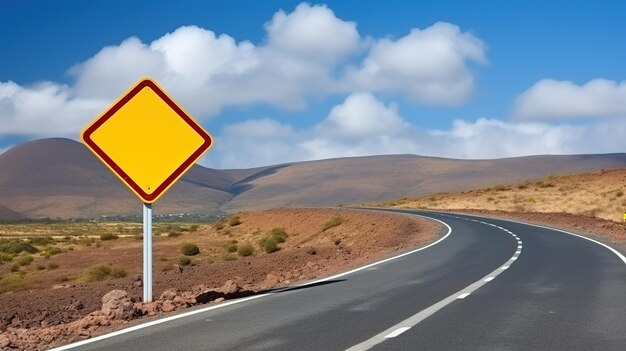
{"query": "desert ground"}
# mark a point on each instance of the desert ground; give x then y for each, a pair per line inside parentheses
(73, 280)
(590, 203)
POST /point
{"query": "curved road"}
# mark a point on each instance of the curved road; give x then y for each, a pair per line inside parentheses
(488, 285)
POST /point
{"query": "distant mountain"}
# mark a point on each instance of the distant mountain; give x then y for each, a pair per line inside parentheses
(60, 178)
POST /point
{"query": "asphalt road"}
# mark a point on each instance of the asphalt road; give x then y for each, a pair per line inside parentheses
(489, 285)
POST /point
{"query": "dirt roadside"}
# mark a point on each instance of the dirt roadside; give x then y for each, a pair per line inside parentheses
(319, 242)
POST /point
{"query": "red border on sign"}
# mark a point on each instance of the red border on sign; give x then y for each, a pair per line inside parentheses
(147, 83)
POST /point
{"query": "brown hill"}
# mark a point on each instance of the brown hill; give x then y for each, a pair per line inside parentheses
(60, 178)
(376, 178)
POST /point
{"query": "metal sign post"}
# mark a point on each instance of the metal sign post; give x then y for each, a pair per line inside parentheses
(147, 252)
(146, 115)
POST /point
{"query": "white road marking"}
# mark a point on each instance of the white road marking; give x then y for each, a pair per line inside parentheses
(237, 301)
(421, 315)
(397, 332)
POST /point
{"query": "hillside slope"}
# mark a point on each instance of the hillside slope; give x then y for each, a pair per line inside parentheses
(60, 178)
(601, 194)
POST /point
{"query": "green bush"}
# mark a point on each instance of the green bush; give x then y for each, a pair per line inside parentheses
(333, 222)
(230, 247)
(269, 244)
(108, 236)
(189, 249)
(24, 260)
(234, 221)
(17, 246)
(184, 261)
(101, 272)
(271, 240)
(41, 240)
(245, 250)
(49, 251)
(279, 234)
(5, 257)
(194, 228)
(174, 234)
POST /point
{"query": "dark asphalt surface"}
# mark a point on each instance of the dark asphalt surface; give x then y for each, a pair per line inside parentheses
(563, 293)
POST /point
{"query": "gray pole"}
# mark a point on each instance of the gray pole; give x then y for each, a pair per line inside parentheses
(147, 253)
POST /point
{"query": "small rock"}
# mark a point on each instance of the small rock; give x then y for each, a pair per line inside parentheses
(311, 251)
(230, 287)
(168, 306)
(4, 340)
(219, 299)
(117, 305)
(169, 294)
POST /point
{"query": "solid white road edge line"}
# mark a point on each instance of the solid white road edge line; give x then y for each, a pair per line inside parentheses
(617, 253)
(421, 315)
(228, 303)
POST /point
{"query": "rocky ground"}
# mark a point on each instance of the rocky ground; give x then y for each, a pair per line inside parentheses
(320, 242)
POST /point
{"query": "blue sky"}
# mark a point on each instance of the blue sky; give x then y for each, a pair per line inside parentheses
(290, 81)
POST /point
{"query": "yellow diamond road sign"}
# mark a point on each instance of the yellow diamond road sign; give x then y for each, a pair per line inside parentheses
(147, 140)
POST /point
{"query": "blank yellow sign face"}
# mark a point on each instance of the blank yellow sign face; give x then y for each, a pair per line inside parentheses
(147, 140)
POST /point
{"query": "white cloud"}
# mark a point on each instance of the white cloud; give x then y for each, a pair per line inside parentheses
(313, 32)
(309, 53)
(430, 65)
(348, 131)
(360, 116)
(553, 99)
(44, 109)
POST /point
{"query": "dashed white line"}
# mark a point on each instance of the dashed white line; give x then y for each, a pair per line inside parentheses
(420, 316)
(397, 332)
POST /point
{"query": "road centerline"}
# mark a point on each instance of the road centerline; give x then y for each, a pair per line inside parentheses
(423, 314)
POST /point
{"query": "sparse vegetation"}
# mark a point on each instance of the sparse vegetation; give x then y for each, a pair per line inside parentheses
(230, 247)
(41, 240)
(184, 261)
(17, 246)
(53, 265)
(24, 260)
(13, 282)
(234, 221)
(101, 272)
(108, 236)
(174, 234)
(270, 242)
(333, 222)
(189, 249)
(245, 250)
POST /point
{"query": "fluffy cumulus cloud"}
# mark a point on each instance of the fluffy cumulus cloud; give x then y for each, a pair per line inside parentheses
(553, 99)
(429, 65)
(308, 53)
(313, 32)
(362, 125)
(44, 109)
